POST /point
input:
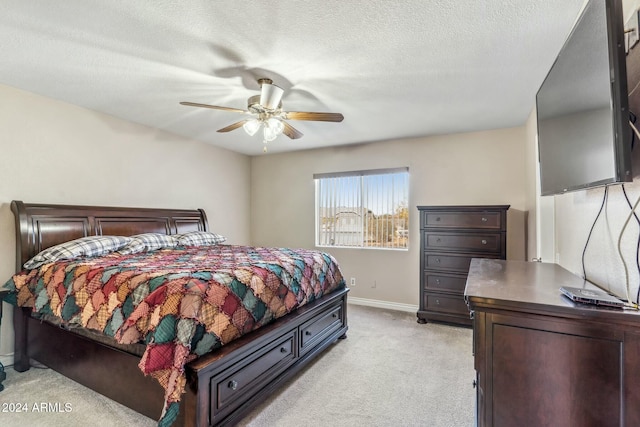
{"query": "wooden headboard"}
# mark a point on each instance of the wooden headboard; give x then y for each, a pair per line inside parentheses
(39, 226)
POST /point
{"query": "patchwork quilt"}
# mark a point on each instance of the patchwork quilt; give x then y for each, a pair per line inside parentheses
(181, 302)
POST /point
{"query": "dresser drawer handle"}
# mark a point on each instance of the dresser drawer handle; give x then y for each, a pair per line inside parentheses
(283, 350)
(438, 219)
(437, 260)
(334, 315)
(484, 219)
(437, 302)
(484, 242)
(233, 384)
(438, 240)
(437, 281)
(307, 333)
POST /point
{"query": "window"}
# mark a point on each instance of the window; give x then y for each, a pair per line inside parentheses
(365, 209)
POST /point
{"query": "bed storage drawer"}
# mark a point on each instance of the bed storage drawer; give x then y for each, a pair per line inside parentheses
(318, 328)
(241, 381)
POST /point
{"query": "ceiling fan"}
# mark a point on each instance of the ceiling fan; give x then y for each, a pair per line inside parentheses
(266, 111)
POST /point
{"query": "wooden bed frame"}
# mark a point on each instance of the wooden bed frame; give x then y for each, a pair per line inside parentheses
(222, 386)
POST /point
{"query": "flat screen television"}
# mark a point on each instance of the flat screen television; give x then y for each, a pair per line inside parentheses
(584, 137)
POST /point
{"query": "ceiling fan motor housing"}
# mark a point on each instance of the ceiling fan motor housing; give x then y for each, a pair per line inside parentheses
(270, 94)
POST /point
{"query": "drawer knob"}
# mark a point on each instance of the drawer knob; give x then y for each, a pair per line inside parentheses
(437, 302)
(438, 219)
(438, 240)
(283, 350)
(307, 333)
(233, 384)
(334, 315)
(484, 219)
(437, 281)
(437, 260)
(484, 242)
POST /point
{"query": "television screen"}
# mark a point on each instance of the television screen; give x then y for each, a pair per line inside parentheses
(584, 138)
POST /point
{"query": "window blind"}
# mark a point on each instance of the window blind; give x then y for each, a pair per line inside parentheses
(363, 209)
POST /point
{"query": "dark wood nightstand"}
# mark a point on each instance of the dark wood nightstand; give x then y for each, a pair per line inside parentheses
(3, 374)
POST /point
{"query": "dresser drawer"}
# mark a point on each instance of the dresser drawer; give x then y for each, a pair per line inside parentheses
(454, 283)
(479, 220)
(456, 263)
(480, 242)
(445, 304)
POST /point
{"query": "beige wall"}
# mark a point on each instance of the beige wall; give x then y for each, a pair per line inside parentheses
(464, 169)
(52, 152)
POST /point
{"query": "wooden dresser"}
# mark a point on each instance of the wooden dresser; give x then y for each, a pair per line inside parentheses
(543, 360)
(450, 236)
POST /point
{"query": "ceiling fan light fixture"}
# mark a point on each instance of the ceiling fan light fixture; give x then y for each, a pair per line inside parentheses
(251, 126)
(275, 124)
(269, 132)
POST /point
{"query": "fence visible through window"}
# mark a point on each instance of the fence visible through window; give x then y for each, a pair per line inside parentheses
(368, 209)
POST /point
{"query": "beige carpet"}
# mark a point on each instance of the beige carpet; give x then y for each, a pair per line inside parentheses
(390, 371)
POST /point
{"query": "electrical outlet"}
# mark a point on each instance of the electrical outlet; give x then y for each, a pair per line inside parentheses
(353, 281)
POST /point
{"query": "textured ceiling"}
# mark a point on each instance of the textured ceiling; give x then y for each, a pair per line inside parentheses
(394, 69)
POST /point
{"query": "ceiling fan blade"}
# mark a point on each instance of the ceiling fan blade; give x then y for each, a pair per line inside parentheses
(233, 126)
(290, 131)
(320, 117)
(214, 107)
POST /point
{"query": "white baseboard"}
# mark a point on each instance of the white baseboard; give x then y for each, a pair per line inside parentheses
(409, 308)
(7, 359)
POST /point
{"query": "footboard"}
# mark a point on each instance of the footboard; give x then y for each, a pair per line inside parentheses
(236, 379)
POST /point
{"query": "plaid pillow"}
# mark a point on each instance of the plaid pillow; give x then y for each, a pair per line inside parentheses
(199, 238)
(149, 242)
(84, 246)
